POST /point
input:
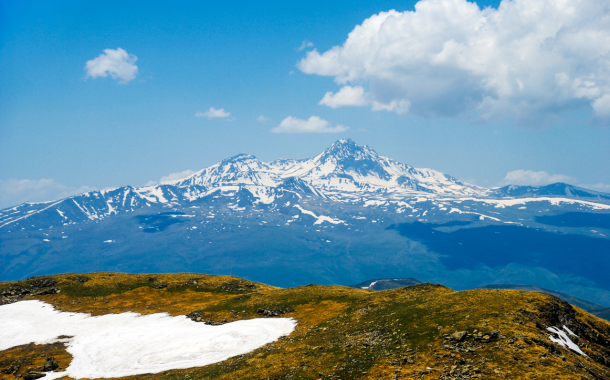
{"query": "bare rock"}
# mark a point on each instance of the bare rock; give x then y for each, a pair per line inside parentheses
(458, 336)
(50, 364)
(32, 375)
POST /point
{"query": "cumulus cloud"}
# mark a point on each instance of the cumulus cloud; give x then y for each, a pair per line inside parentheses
(262, 119)
(346, 96)
(532, 178)
(356, 96)
(398, 106)
(312, 125)
(116, 63)
(214, 113)
(529, 59)
(17, 191)
(306, 44)
(172, 177)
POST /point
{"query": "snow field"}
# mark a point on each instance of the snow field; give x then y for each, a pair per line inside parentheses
(127, 344)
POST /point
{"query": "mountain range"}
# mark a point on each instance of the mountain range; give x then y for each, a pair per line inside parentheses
(341, 217)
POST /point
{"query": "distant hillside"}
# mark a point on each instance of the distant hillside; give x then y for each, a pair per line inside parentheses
(555, 189)
(386, 283)
(591, 307)
(603, 314)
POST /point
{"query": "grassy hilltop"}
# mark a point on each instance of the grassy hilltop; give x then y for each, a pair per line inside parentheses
(423, 331)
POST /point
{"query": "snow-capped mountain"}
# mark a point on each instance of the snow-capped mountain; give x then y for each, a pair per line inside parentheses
(345, 172)
(343, 216)
(344, 169)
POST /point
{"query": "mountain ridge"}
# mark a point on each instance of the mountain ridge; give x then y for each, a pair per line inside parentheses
(344, 172)
(336, 218)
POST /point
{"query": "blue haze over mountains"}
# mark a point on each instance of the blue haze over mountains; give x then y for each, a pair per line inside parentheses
(341, 217)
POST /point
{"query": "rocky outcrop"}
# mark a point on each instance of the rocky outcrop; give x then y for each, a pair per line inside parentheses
(34, 286)
(50, 365)
(32, 375)
(237, 286)
(274, 312)
(199, 316)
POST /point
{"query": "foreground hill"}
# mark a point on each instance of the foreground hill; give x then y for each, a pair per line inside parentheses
(591, 307)
(420, 331)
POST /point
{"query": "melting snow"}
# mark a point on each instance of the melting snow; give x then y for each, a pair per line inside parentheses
(320, 219)
(371, 284)
(481, 216)
(564, 340)
(501, 203)
(128, 344)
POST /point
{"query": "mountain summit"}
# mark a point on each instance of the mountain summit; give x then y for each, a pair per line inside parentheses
(344, 167)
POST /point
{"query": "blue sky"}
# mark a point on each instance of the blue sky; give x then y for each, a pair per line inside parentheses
(65, 128)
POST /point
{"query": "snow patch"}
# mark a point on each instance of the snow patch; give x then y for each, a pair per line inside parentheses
(563, 340)
(371, 284)
(500, 203)
(481, 216)
(320, 219)
(129, 344)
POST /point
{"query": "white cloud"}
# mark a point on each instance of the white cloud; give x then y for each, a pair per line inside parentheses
(17, 191)
(306, 44)
(118, 63)
(602, 106)
(214, 113)
(529, 59)
(356, 96)
(400, 106)
(532, 178)
(172, 177)
(262, 119)
(177, 175)
(346, 96)
(312, 125)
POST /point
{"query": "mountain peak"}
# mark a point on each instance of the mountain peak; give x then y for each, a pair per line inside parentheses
(240, 157)
(347, 149)
(348, 144)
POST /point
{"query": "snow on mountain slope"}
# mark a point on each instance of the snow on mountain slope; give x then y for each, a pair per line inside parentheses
(345, 173)
(345, 167)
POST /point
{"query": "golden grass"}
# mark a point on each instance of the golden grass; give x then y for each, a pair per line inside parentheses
(345, 333)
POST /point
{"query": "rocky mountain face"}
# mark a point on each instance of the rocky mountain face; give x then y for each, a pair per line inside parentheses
(341, 217)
